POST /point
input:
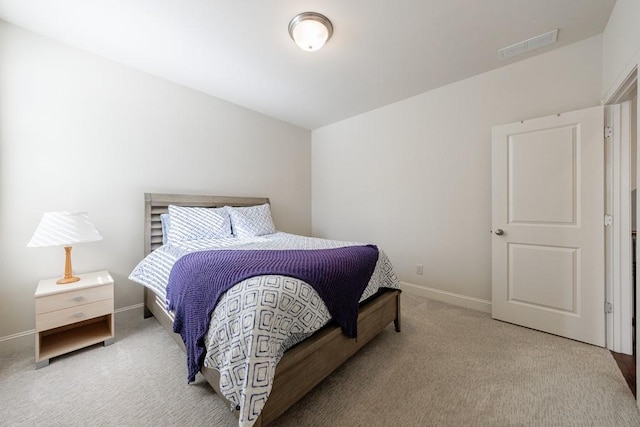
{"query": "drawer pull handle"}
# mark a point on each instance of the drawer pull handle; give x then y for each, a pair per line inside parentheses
(78, 315)
(78, 299)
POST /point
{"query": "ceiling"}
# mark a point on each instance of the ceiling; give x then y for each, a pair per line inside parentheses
(381, 51)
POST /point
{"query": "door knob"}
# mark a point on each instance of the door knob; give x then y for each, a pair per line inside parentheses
(499, 232)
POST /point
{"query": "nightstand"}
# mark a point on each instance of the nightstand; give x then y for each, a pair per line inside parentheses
(73, 316)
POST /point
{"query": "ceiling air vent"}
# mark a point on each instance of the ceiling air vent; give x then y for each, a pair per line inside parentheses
(528, 45)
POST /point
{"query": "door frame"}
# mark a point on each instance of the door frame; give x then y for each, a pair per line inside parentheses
(624, 89)
(618, 252)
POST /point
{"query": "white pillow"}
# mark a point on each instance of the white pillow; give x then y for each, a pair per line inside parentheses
(197, 223)
(165, 222)
(251, 221)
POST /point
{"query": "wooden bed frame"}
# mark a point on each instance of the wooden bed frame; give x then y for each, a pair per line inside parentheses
(303, 366)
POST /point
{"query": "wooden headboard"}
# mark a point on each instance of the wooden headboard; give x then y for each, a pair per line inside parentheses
(156, 204)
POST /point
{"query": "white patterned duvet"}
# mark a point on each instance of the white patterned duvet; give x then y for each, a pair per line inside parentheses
(259, 318)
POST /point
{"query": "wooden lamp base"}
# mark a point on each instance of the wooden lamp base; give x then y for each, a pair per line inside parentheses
(68, 276)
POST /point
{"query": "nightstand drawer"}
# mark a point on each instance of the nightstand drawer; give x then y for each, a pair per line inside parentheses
(71, 315)
(71, 299)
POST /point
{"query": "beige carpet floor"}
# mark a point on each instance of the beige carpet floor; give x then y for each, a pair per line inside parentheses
(449, 367)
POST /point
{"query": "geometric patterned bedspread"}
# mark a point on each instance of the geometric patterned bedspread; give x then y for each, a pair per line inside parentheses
(259, 318)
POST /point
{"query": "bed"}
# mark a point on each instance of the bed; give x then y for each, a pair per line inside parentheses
(306, 363)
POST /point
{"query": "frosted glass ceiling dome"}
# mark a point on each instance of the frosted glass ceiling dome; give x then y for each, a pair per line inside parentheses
(310, 30)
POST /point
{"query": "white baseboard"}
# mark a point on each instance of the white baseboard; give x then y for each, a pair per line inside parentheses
(26, 340)
(129, 311)
(448, 297)
(17, 342)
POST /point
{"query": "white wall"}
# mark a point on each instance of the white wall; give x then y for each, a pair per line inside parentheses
(415, 176)
(621, 44)
(81, 132)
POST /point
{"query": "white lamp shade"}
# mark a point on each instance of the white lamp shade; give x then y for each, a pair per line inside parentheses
(64, 229)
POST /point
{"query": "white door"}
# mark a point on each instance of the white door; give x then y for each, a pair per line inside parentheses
(548, 224)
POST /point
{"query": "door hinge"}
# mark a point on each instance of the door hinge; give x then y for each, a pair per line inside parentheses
(608, 220)
(608, 307)
(608, 132)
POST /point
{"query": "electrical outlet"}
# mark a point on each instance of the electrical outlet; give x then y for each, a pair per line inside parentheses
(419, 269)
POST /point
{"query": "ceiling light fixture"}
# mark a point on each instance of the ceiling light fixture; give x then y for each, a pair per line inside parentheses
(310, 30)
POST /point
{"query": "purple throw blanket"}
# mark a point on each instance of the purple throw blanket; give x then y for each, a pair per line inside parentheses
(198, 280)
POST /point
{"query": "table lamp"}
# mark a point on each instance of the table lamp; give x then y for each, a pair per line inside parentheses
(64, 229)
